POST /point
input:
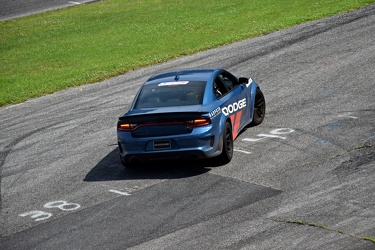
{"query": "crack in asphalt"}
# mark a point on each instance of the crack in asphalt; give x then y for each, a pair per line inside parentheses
(315, 225)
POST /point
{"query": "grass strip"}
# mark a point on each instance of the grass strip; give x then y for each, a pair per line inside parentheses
(47, 52)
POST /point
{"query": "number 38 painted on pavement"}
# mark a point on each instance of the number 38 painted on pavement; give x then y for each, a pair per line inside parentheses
(42, 215)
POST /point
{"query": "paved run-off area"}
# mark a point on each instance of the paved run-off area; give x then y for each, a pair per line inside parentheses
(303, 179)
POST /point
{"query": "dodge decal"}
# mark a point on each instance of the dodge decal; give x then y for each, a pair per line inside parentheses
(231, 108)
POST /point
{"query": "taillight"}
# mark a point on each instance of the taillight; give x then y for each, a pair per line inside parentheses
(126, 126)
(199, 122)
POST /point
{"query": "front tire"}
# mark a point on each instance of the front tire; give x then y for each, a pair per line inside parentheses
(259, 108)
(227, 153)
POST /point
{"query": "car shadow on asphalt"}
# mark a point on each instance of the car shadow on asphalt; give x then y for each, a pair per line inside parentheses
(111, 169)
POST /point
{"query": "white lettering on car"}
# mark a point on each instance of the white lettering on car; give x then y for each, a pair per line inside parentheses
(173, 83)
(250, 81)
(215, 112)
(234, 107)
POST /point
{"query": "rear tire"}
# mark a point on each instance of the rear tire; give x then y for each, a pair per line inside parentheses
(127, 164)
(259, 108)
(227, 153)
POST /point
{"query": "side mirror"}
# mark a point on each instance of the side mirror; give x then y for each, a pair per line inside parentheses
(243, 80)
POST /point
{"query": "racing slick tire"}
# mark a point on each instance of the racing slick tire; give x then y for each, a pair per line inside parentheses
(227, 153)
(259, 108)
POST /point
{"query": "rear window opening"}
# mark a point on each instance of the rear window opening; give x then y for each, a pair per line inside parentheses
(171, 94)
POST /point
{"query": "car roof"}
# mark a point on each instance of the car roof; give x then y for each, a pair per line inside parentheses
(183, 75)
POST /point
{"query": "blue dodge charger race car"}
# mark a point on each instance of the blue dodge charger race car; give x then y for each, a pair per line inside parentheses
(193, 114)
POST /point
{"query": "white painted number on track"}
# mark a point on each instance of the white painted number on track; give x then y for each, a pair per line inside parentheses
(62, 205)
(37, 215)
(276, 133)
(42, 215)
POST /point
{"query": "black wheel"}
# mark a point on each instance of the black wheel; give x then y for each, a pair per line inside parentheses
(128, 164)
(227, 153)
(259, 108)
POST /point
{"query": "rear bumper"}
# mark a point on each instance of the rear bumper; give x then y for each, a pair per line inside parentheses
(192, 146)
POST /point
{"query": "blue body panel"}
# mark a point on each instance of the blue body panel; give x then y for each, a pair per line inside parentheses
(236, 106)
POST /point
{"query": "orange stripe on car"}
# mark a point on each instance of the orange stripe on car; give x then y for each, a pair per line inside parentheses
(236, 123)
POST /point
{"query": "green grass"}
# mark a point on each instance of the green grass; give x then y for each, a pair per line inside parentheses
(47, 52)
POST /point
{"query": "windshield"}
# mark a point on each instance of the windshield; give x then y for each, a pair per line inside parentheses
(168, 94)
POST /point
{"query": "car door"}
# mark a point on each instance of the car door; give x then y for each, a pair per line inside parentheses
(235, 100)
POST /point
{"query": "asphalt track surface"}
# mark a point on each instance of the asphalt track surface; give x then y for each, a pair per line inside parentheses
(303, 179)
(10, 9)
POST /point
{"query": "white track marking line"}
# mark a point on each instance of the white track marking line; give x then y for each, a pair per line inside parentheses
(348, 116)
(242, 151)
(119, 192)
